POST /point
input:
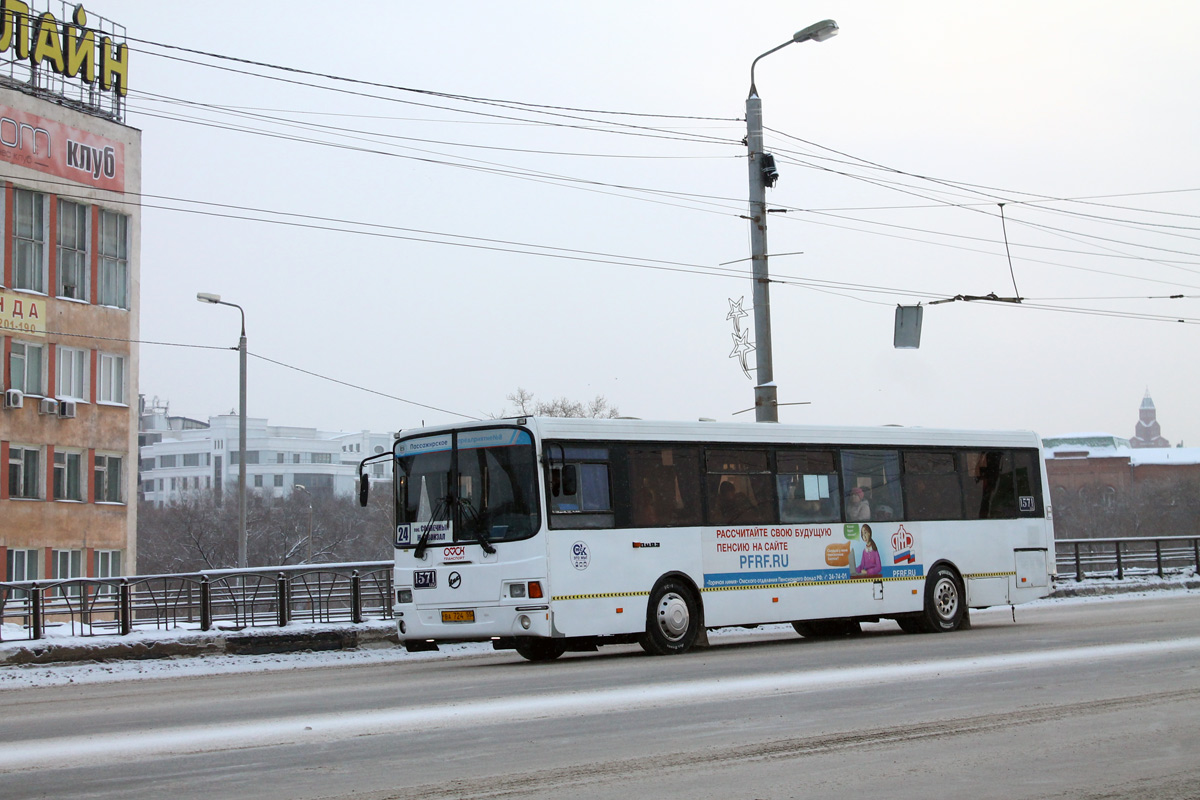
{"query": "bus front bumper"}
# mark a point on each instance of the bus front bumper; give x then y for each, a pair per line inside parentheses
(474, 624)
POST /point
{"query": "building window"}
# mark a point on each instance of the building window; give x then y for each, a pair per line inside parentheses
(112, 379)
(278, 481)
(29, 240)
(22, 565)
(68, 475)
(114, 259)
(108, 565)
(191, 459)
(167, 461)
(258, 481)
(72, 373)
(67, 564)
(279, 457)
(1108, 497)
(108, 479)
(23, 471)
(72, 250)
(322, 458)
(25, 370)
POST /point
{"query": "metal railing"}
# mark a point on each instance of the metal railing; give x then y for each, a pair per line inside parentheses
(222, 599)
(1116, 557)
(275, 596)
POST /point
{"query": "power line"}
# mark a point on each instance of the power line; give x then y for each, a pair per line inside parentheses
(264, 358)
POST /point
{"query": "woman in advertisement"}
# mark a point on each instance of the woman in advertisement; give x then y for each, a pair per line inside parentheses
(869, 563)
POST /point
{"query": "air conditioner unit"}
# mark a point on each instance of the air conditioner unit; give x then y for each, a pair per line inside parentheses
(66, 409)
(14, 398)
(48, 405)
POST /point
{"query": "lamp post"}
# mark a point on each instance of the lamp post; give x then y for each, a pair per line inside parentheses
(307, 494)
(762, 174)
(205, 297)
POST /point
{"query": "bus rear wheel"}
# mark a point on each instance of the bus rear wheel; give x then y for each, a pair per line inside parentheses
(536, 649)
(945, 601)
(672, 620)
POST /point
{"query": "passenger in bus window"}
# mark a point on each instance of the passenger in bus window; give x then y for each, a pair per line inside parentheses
(857, 507)
(732, 504)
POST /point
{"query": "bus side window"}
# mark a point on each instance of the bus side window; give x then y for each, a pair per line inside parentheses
(1003, 484)
(738, 484)
(871, 485)
(580, 487)
(932, 489)
(808, 486)
(664, 484)
(989, 485)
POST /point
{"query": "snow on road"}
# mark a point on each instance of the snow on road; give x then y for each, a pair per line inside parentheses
(311, 728)
(13, 677)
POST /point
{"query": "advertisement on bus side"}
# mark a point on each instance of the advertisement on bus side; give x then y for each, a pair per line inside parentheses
(739, 556)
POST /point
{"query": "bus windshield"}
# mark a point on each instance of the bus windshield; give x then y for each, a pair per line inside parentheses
(495, 499)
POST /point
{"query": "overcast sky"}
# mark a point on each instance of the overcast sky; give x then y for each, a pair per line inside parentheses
(596, 239)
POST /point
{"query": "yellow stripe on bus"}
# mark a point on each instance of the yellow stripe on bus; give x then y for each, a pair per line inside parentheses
(601, 596)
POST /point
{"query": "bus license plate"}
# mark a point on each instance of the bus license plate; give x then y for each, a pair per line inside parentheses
(459, 616)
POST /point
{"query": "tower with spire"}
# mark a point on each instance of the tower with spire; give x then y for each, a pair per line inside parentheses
(1148, 432)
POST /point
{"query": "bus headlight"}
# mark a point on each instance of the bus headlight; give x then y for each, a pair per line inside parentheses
(524, 620)
(404, 595)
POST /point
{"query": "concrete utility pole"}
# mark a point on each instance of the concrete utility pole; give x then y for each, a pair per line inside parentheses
(762, 174)
(205, 297)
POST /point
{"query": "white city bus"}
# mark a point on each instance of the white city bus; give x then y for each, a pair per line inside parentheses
(547, 535)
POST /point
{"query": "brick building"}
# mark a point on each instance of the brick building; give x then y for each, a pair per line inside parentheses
(70, 183)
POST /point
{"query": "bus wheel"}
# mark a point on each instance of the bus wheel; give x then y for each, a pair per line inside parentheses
(672, 620)
(945, 601)
(827, 628)
(535, 649)
(911, 624)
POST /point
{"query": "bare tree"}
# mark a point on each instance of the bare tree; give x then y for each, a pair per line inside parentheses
(525, 405)
(195, 532)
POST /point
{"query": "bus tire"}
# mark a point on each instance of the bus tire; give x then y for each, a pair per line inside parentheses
(672, 619)
(945, 601)
(537, 649)
(911, 623)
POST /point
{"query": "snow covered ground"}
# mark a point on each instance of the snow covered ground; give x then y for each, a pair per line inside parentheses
(15, 676)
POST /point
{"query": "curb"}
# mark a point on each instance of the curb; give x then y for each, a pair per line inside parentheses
(202, 644)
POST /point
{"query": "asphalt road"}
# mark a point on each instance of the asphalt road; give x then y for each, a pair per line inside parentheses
(1074, 700)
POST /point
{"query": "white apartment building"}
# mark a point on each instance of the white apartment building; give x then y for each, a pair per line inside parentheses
(181, 456)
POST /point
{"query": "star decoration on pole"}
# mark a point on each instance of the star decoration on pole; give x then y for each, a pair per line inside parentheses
(736, 313)
(741, 338)
(742, 346)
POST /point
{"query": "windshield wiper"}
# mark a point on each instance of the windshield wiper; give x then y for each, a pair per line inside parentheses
(476, 527)
(423, 542)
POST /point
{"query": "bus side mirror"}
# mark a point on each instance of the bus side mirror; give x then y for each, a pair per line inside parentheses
(570, 480)
(364, 489)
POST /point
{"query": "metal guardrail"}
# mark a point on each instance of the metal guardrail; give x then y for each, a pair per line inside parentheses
(1095, 558)
(275, 596)
(223, 599)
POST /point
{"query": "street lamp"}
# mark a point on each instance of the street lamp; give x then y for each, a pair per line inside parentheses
(307, 494)
(762, 173)
(205, 297)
